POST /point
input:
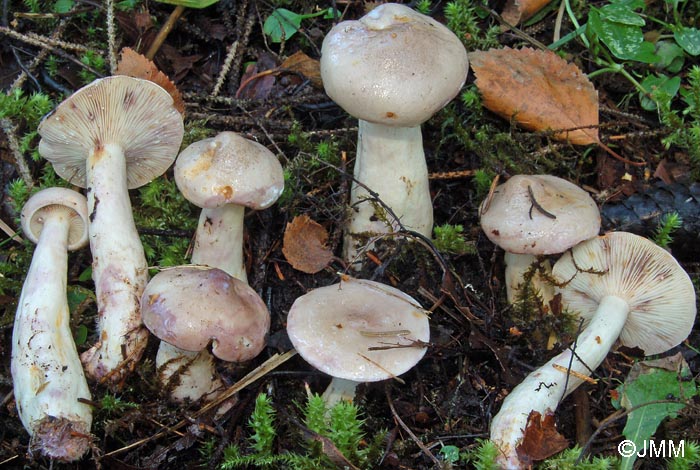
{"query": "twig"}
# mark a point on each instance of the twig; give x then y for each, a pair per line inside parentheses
(164, 31)
(230, 55)
(10, 233)
(22, 168)
(111, 39)
(42, 41)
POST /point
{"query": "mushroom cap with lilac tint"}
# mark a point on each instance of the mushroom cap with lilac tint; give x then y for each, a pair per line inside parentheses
(394, 66)
(135, 114)
(334, 329)
(229, 169)
(71, 203)
(659, 292)
(191, 306)
(539, 215)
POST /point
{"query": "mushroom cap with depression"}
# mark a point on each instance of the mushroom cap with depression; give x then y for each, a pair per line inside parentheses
(70, 202)
(135, 114)
(659, 292)
(229, 169)
(394, 66)
(191, 306)
(539, 215)
(335, 329)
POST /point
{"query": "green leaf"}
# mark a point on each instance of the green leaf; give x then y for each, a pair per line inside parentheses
(688, 39)
(624, 41)
(282, 24)
(671, 56)
(199, 4)
(63, 6)
(661, 89)
(649, 381)
(617, 13)
(80, 335)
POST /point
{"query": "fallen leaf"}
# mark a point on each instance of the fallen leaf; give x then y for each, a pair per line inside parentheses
(540, 91)
(305, 65)
(304, 245)
(517, 11)
(541, 438)
(133, 64)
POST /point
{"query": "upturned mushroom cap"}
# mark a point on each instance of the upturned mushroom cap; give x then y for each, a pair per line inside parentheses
(191, 306)
(135, 114)
(539, 215)
(394, 66)
(65, 200)
(229, 169)
(658, 291)
(334, 328)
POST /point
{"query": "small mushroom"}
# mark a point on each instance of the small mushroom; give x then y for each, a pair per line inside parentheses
(358, 331)
(223, 175)
(114, 134)
(47, 374)
(393, 69)
(624, 287)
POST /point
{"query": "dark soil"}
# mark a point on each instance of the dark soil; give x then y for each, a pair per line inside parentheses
(479, 348)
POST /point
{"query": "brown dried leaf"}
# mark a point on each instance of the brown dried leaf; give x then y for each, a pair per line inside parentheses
(133, 64)
(517, 11)
(539, 90)
(305, 65)
(304, 245)
(541, 438)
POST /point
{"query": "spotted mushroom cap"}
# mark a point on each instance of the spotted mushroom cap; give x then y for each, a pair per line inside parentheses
(539, 215)
(66, 201)
(135, 114)
(334, 329)
(659, 292)
(394, 66)
(191, 306)
(229, 169)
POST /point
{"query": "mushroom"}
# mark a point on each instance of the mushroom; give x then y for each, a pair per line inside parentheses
(534, 215)
(223, 175)
(47, 374)
(393, 69)
(358, 331)
(192, 306)
(115, 134)
(624, 287)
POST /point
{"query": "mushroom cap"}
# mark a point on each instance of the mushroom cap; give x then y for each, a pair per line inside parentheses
(189, 306)
(394, 66)
(561, 215)
(135, 114)
(229, 169)
(334, 327)
(65, 200)
(658, 291)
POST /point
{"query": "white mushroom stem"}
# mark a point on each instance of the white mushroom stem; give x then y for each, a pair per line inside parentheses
(219, 240)
(544, 388)
(187, 375)
(517, 266)
(391, 162)
(339, 390)
(46, 371)
(119, 269)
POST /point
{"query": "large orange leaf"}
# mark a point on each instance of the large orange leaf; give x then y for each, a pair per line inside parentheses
(540, 91)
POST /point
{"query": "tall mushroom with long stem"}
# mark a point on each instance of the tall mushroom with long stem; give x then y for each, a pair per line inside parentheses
(47, 374)
(625, 288)
(113, 135)
(393, 69)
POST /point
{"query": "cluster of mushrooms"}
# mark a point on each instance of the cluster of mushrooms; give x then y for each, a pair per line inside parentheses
(119, 132)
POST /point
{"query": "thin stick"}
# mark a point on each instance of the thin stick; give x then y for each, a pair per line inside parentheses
(164, 31)
(230, 55)
(111, 39)
(22, 167)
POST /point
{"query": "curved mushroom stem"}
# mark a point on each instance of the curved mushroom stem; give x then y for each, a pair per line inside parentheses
(46, 371)
(391, 162)
(219, 240)
(339, 390)
(544, 388)
(119, 269)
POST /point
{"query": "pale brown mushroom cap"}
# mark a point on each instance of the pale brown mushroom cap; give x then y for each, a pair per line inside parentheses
(65, 200)
(229, 169)
(539, 215)
(334, 328)
(191, 306)
(658, 291)
(135, 114)
(394, 66)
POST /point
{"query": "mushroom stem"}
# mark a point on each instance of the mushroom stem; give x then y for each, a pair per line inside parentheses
(119, 268)
(219, 240)
(187, 375)
(517, 266)
(46, 371)
(391, 162)
(339, 390)
(544, 388)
